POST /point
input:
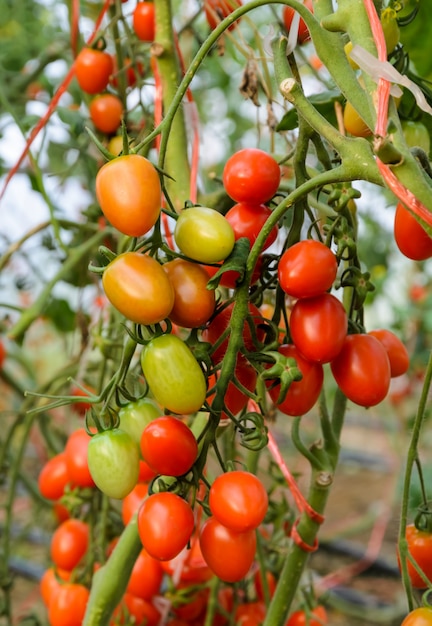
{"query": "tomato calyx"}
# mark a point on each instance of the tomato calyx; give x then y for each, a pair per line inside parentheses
(360, 282)
(284, 371)
(423, 519)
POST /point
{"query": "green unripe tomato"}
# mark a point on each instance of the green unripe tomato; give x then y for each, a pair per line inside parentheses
(204, 235)
(135, 416)
(416, 135)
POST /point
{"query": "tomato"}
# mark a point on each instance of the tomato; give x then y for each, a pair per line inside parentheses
(416, 135)
(169, 446)
(50, 583)
(216, 10)
(235, 399)
(76, 458)
(250, 614)
(165, 525)
(307, 269)
(113, 458)
(143, 21)
(288, 15)
(318, 327)
(193, 302)
(54, 477)
(106, 112)
(247, 220)
(190, 602)
(420, 548)
(238, 500)
(132, 71)
(2, 354)
(251, 175)
(220, 323)
(316, 617)
(191, 564)
(396, 351)
(173, 374)
(93, 69)
(146, 474)
(410, 237)
(362, 370)
(302, 394)
(135, 416)
(137, 286)
(132, 502)
(146, 577)
(135, 610)
(69, 544)
(419, 617)
(128, 190)
(228, 554)
(69, 596)
(81, 408)
(259, 584)
(204, 234)
(353, 123)
(388, 19)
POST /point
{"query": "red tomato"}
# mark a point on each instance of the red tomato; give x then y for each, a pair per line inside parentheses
(228, 554)
(146, 577)
(143, 21)
(131, 71)
(76, 459)
(411, 238)
(2, 354)
(93, 69)
(69, 544)
(316, 617)
(235, 399)
(194, 304)
(238, 500)
(247, 220)
(146, 474)
(190, 602)
(251, 175)
(165, 525)
(419, 617)
(191, 564)
(420, 548)
(128, 190)
(132, 502)
(51, 582)
(288, 16)
(169, 446)
(137, 286)
(307, 269)
(81, 408)
(216, 10)
(303, 394)
(250, 614)
(218, 325)
(259, 584)
(106, 112)
(318, 327)
(54, 477)
(396, 351)
(362, 370)
(68, 595)
(133, 609)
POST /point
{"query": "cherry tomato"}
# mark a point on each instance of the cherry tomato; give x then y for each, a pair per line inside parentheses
(146, 577)
(218, 541)
(128, 190)
(143, 21)
(81, 408)
(113, 458)
(353, 123)
(135, 416)
(238, 500)
(316, 617)
(419, 617)
(410, 237)
(135, 610)
(76, 458)
(190, 602)
(68, 606)
(69, 544)
(190, 562)
(132, 502)
(251, 175)
(2, 354)
(146, 474)
(288, 15)
(420, 548)
(362, 370)
(247, 220)
(220, 323)
(131, 70)
(318, 327)
(93, 69)
(51, 582)
(259, 584)
(302, 394)
(137, 286)
(165, 525)
(396, 351)
(235, 399)
(416, 135)
(169, 446)
(173, 374)
(216, 10)
(54, 477)
(250, 613)
(390, 26)
(204, 234)
(193, 302)
(307, 269)
(106, 112)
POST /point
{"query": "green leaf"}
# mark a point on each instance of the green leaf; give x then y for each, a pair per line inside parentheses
(324, 103)
(61, 314)
(236, 262)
